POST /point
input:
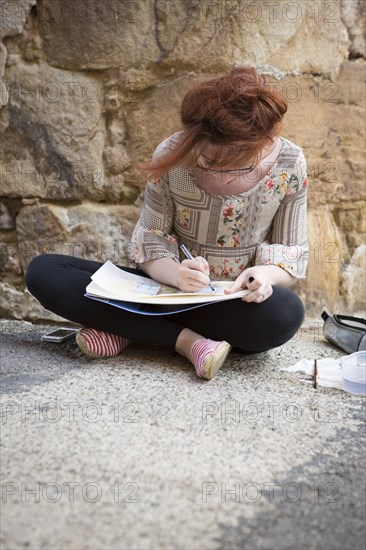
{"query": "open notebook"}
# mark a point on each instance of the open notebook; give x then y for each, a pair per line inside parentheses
(139, 294)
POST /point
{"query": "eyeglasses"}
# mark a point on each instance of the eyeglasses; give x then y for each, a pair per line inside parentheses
(240, 171)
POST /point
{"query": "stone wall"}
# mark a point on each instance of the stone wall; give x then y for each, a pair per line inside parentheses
(87, 86)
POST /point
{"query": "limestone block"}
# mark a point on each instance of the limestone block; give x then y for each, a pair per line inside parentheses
(351, 83)
(137, 79)
(3, 54)
(116, 130)
(20, 304)
(27, 45)
(97, 35)
(327, 120)
(13, 14)
(116, 159)
(4, 96)
(321, 286)
(91, 231)
(44, 221)
(215, 35)
(9, 254)
(122, 87)
(354, 17)
(119, 176)
(155, 118)
(353, 281)
(52, 147)
(319, 43)
(6, 218)
(351, 219)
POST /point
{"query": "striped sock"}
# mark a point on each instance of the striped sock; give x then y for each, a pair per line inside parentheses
(208, 356)
(96, 343)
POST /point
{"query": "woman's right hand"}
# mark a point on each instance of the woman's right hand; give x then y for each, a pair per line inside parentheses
(192, 275)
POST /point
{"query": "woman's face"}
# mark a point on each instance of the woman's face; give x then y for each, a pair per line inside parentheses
(239, 177)
(220, 174)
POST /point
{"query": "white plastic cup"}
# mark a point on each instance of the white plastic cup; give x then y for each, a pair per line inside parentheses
(354, 373)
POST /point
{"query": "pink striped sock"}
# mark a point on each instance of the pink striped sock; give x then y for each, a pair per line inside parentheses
(201, 350)
(97, 343)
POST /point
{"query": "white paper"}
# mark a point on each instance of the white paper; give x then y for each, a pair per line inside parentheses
(113, 283)
(116, 281)
(329, 371)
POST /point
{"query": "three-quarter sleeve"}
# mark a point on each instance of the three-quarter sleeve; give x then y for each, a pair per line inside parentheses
(287, 244)
(152, 237)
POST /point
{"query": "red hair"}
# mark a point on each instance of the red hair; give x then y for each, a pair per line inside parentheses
(238, 112)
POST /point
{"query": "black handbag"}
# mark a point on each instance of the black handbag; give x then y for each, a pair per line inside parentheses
(346, 332)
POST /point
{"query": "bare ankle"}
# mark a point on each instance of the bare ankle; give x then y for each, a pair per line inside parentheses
(185, 341)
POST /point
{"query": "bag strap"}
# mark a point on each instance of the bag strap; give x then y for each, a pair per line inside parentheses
(341, 318)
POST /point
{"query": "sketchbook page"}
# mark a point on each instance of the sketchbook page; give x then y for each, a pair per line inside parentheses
(115, 284)
(118, 282)
(95, 290)
(113, 280)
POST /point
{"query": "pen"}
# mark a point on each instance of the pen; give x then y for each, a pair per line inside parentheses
(188, 255)
(315, 385)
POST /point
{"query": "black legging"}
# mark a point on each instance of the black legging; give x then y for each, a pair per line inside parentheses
(59, 283)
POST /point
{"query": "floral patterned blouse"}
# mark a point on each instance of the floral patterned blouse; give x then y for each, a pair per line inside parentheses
(264, 225)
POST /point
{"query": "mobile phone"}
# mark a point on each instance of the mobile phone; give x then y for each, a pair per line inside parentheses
(59, 335)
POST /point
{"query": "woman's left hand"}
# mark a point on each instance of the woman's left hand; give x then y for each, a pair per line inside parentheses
(256, 280)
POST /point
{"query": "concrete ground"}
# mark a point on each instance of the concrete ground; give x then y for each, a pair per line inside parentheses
(136, 452)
